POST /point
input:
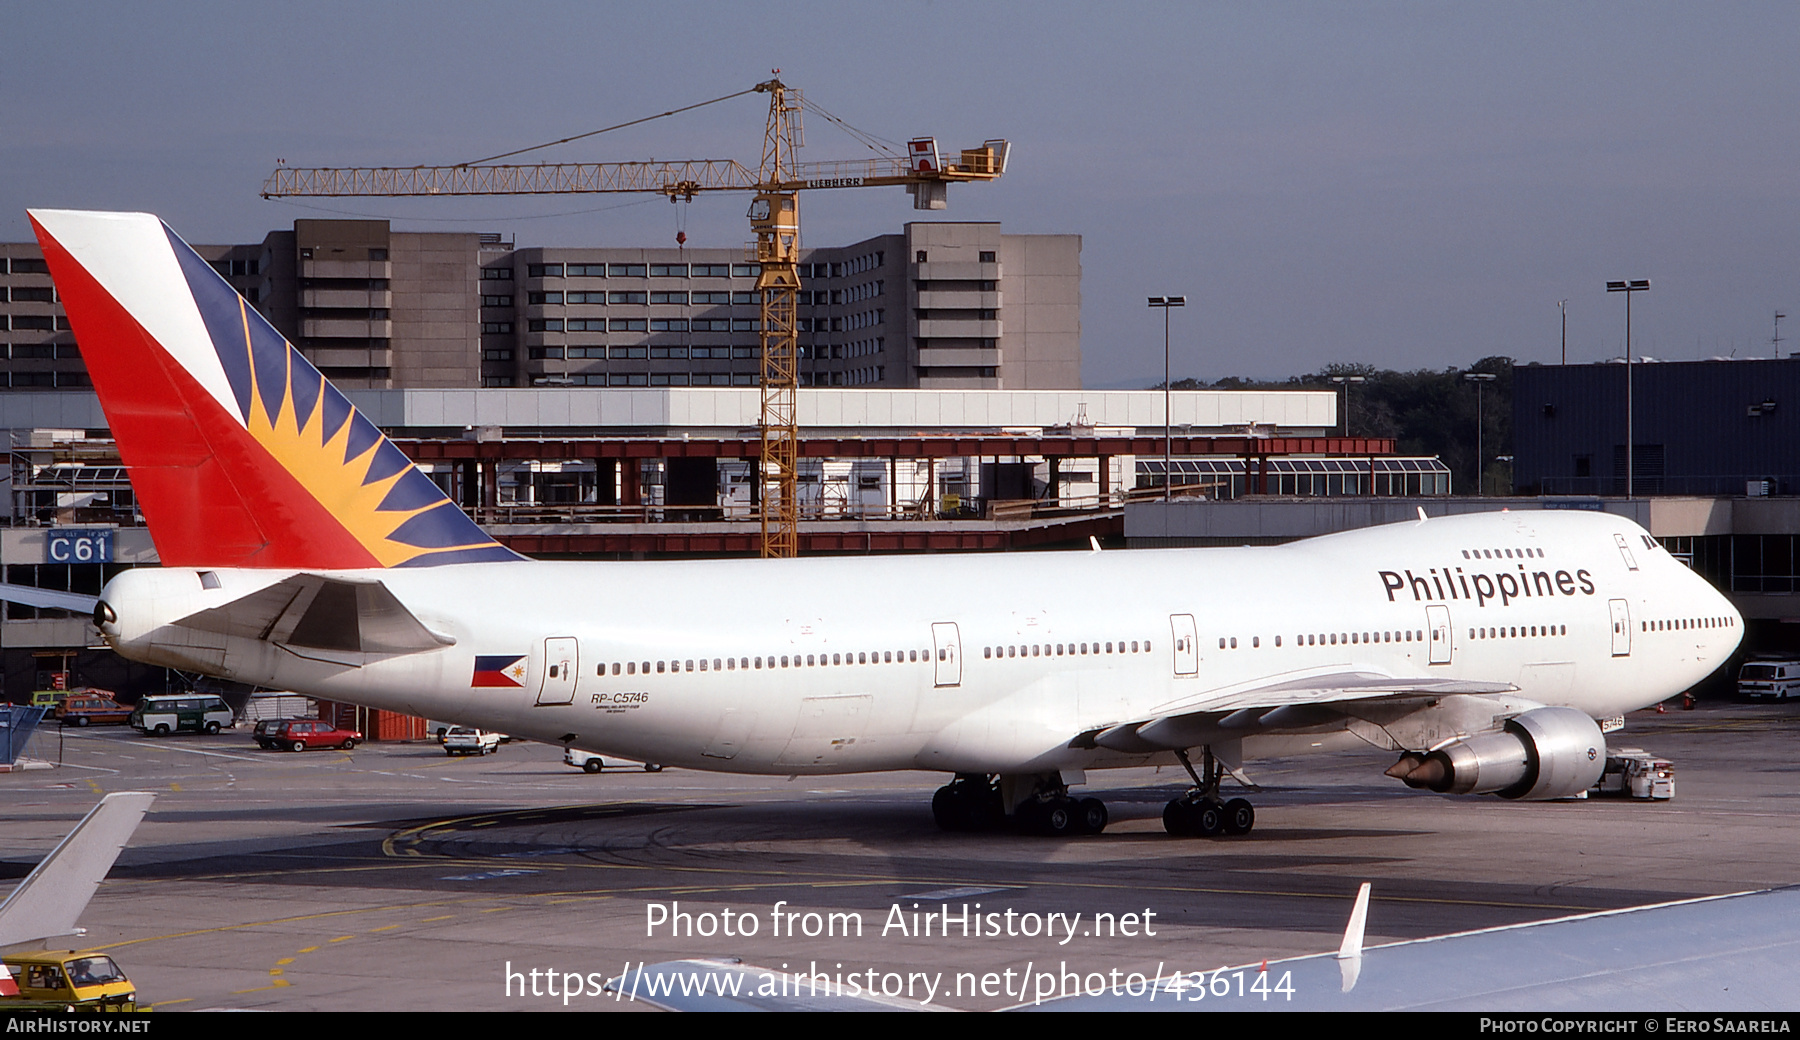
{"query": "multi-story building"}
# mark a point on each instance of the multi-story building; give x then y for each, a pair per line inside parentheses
(936, 306)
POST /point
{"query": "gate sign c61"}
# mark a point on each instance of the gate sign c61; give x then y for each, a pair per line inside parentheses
(78, 546)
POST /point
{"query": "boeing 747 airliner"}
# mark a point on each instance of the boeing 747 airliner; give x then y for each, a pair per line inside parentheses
(301, 550)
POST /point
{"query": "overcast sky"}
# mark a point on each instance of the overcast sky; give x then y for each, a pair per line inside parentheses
(1406, 185)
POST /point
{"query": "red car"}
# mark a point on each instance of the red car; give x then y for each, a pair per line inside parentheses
(300, 734)
(91, 707)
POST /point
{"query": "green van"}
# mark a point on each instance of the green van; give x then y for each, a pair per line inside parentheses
(194, 712)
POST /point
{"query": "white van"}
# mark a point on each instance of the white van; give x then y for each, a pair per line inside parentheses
(1772, 680)
(161, 715)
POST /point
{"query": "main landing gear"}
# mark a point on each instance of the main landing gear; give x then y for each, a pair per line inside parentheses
(977, 802)
(1199, 813)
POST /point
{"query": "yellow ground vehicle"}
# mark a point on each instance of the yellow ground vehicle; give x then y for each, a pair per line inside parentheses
(80, 980)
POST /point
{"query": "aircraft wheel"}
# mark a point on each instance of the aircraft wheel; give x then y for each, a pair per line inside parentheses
(1091, 814)
(947, 809)
(653, 767)
(1240, 816)
(1209, 819)
(1178, 818)
(592, 765)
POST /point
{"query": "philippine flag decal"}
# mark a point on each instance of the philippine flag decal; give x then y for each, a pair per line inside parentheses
(507, 670)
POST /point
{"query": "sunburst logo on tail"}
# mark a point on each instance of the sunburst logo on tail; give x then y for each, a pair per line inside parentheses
(341, 459)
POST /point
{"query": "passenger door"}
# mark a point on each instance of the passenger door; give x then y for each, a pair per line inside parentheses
(1621, 627)
(1186, 643)
(947, 643)
(1437, 624)
(559, 671)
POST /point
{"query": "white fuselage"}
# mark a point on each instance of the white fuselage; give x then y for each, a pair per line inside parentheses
(984, 663)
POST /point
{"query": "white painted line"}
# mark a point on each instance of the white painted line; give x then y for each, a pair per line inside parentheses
(194, 751)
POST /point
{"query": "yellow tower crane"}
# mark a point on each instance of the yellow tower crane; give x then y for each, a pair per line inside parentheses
(774, 216)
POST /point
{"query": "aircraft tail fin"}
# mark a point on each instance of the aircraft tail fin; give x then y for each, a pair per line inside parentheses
(47, 903)
(241, 454)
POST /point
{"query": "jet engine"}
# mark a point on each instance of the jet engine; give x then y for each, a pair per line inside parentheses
(1539, 754)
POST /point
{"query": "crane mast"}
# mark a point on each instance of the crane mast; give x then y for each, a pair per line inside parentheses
(774, 217)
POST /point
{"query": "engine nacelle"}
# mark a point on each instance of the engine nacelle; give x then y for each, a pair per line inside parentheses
(1543, 753)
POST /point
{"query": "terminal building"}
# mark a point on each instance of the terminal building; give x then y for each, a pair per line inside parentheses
(934, 306)
(1719, 427)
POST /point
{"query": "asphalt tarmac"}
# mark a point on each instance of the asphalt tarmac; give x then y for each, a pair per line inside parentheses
(394, 877)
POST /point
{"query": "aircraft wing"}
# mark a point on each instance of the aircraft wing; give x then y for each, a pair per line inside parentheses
(30, 596)
(52, 896)
(1281, 704)
(315, 612)
(1719, 953)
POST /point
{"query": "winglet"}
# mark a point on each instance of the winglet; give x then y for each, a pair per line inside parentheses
(1349, 953)
(1093, 543)
(53, 895)
(1422, 517)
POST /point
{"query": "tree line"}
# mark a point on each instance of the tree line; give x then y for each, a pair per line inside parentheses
(1426, 411)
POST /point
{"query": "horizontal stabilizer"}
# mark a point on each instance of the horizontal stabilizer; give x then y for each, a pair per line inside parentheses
(30, 596)
(319, 613)
(47, 903)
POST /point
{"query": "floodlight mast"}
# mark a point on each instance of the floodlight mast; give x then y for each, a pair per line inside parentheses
(1629, 288)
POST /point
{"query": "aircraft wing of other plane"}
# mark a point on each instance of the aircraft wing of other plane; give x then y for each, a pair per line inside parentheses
(1717, 953)
(52, 896)
(30, 596)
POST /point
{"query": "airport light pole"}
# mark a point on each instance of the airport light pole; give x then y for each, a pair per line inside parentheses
(1345, 381)
(1628, 288)
(1166, 302)
(1478, 378)
(1563, 306)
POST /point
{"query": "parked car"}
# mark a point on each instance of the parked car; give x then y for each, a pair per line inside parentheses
(300, 734)
(1775, 680)
(461, 740)
(265, 731)
(588, 762)
(91, 707)
(163, 714)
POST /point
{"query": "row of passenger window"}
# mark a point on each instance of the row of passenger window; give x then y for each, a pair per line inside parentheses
(1503, 554)
(1064, 649)
(1341, 638)
(1685, 624)
(733, 664)
(1518, 632)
